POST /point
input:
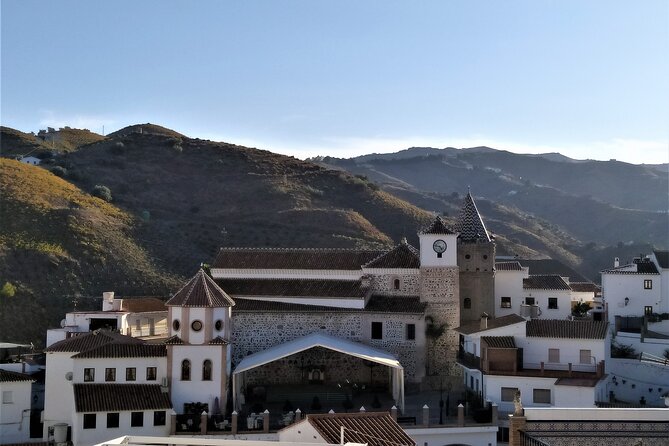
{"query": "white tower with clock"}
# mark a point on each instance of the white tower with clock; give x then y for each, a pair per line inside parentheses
(439, 288)
(198, 350)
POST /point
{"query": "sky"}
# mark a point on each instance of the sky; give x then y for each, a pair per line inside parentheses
(344, 78)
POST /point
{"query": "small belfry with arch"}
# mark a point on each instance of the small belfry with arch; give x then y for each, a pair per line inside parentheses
(199, 317)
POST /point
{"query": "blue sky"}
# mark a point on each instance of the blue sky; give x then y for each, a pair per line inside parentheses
(588, 79)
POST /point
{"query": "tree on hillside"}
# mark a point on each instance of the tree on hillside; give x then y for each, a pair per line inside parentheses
(102, 192)
(8, 290)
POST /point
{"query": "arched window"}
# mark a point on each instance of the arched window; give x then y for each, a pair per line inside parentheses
(467, 303)
(185, 370)
(206, 370)
(396, 284)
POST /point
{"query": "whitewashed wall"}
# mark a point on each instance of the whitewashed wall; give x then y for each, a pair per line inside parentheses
(88, 437)
(509, 284)
(616, 287)
(58, 394)
(15, 415)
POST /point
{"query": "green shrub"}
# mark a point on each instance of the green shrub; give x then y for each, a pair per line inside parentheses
(59, 171)
(102, 192)
(7, 290)
(622, 351)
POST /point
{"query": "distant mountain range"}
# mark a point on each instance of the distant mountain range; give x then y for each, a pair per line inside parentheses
(175, 200)
(601, 201)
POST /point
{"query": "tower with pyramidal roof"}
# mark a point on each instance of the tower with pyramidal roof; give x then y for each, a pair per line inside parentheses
(199, 350)
(476, 259)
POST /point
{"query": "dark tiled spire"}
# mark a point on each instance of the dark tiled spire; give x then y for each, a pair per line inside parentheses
(470, 224)
(201, 291)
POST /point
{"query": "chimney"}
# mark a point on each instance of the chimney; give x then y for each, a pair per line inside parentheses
(108, 301)
(616, 262)
(484, 321)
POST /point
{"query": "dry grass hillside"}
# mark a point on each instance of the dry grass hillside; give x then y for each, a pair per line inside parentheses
(58, 244)
(194, 196)
(15, 142)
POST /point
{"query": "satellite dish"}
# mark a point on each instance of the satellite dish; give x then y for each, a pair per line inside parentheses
(68, 376)
(63, 323)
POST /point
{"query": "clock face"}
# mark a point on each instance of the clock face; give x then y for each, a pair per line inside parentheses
(439, 246)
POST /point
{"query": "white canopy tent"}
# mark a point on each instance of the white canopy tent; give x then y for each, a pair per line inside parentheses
(329, 342)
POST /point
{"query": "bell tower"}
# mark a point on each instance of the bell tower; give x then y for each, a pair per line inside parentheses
(198, 350)
(439, 289)
(476, 259)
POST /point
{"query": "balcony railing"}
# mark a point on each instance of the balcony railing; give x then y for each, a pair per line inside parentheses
(469, 360)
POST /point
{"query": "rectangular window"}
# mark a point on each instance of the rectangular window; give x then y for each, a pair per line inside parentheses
(648, 284)
(648, 310)
(411, 332)
(136, 419)
(7, 397)
(110, 374)
(552, 303)
(553, 355)
(584, 356)
(130, 374)
(89, 420)
(151, 374)
(508, 393)
(377, 330)
(541, 396)
(159, 417)
(506, 302)
(138, 325)
(530, 301)
(112, 419)
(89, 375)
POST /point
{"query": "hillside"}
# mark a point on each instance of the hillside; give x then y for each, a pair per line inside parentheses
(195, 196)
(59, 245)
(589, 200)
(46, 143)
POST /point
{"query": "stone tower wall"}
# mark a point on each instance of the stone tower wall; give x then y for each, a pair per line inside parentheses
(477, 280)
(439, 288)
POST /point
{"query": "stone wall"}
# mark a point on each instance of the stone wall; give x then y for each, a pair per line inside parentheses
(477, 280)
(383, 283)
(254, 332)
(440, 289)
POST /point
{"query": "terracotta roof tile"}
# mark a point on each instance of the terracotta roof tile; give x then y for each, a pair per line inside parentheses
(585, 287)
(499, 341)
(124, 351)
(293, 287)
(557, 328)
(508, 266)
(7, 376)
(218, 341)
(294, 258)
(90, 340)
(438, 226)
(470, 224)
(372, 428)
(401, 256)
(545, 282)
(173, 340)
(201, 291)
(119, 397)
(475, 327)
(644, 267)
(143, 304)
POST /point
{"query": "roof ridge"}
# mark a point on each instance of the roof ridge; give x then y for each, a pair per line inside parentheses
(263, 248)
